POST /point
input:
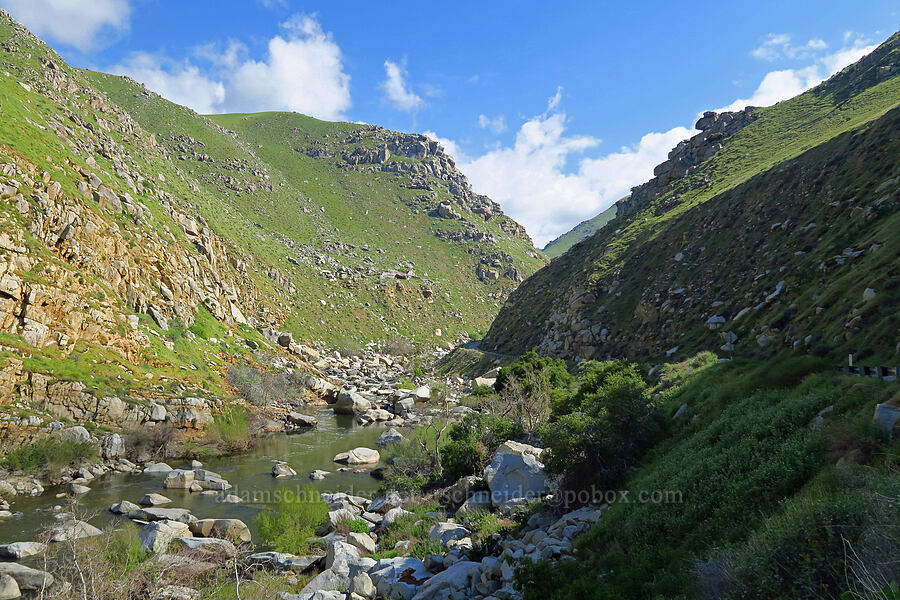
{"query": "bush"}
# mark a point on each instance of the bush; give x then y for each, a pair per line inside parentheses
(412, 463)
(297, 518)
(612, 425)
(472, 441)
(261, 387)
(230, 429)
(48, 453)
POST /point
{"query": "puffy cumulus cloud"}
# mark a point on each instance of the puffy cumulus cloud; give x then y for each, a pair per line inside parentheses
(396, 90)
(787, 83)
(84, 25)
(779, 45)
(497, 124)
(530, 180)
(302, 72)
(182, 83)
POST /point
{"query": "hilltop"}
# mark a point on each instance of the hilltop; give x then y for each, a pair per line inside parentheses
(774, 224)
(582, 231)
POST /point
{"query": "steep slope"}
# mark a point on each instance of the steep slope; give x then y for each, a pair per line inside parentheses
(144, 248)
(369, 233)
(775, 237)
(582, 231)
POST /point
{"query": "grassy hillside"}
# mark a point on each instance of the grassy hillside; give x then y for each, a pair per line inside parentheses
(788, 198)
(582, 231)
(330, 232)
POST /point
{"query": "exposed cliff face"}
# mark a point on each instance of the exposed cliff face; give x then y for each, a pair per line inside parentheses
(783, 237)
(715, 129)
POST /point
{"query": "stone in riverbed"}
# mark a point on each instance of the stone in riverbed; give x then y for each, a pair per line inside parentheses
(182, 515)
(155, 537)
(153, 500)
(26, 577)
(179, 479)
(351, 403)
(281, 469)
(123, 508)
(302, 420)
(208, 545)
(318, 474)
(20, 550)
(157, 468)
(228, 529)
(76, 489)
(73, 530)
(9, 589)
(358, 456)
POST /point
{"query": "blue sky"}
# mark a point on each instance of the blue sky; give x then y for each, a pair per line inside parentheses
(553, 109)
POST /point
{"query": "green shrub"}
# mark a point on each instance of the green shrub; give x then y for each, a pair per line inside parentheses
(357, 526)
(535, 374)
(297, 518)
(472, 441)
(612, 425)
(231, 429)
(48, 453)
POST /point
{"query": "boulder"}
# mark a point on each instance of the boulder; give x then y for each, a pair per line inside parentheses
(513, 447)
(181, 515)
(388, 438)
(385, 503)
(73, 530)
(157, 468)
(886, 415)
(351, 403)
(392, 515)
(302, 420)
(399, 577)
(453, 580)
(208, 546)
(26, 578)
(123, 508)
(9, 588)
(155, 537)
(113, 446)
(281, 469)
(362, 541)
(6, 489)
(447, 532)
(228, 529)
(374, 415)
(422, 393)
(153, 500)
(76, 489)
(339, 551)
(174, 592)
(74, 434)
(362, 585)
(513, 476)
(358, 456)
(318, 474)
(179, 479)
(477, 501)
(20, 550)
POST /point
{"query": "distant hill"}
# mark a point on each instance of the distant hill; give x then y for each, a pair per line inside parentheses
(581, 231)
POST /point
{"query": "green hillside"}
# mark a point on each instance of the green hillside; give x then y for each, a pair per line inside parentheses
(583, 230)
(806, 195)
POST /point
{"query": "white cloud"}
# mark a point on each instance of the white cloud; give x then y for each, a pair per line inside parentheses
(497, 124)
(302, 72)
(396, 89)
(179, 82)
(778, 46)
(530, 180)
(84, 25)
(787, 83)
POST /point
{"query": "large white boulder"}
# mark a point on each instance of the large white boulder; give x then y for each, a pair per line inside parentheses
(358, 456)
(155, 537)
(514, 476)
(351, 403)
(399, 577)
(447, 532)
(456, 579)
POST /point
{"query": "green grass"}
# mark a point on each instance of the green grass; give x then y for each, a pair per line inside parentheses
(48, 453)
(289, 527)
(741, 487)
(582, 231)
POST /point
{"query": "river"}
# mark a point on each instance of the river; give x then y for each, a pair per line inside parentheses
(249, 473)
